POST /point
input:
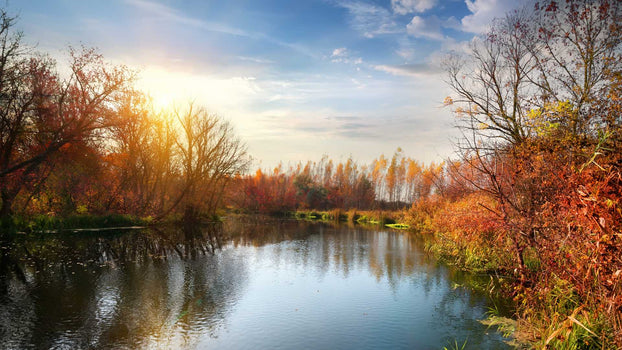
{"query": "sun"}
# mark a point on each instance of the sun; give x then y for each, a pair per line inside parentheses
(162, 100)
(163, 87)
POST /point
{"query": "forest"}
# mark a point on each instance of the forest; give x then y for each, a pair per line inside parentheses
(534, 195)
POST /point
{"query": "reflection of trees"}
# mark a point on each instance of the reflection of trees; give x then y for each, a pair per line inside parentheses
(165, 288)
(132, 290)
(342, 248)
(261, 230)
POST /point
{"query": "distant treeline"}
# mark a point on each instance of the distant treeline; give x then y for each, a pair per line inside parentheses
(393, 183)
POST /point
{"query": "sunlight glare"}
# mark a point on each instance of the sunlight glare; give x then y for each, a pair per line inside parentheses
(164, 88)
(169, 89)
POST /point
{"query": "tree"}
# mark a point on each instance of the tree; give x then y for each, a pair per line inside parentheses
(363, 193)
(210, 156)
(413, 177)
(530, 97)
(556, 53)
(490, 82)
(378, 167)
(576, 50)
(40, 111)
(142, 152)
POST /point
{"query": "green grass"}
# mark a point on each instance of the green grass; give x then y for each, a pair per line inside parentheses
(565, 321)
(398, 226)
(456, 346)
(504, 325)
(532, 262)
(380, 218)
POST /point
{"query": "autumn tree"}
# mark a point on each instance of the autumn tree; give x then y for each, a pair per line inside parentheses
(413, 176)
(363, 194)
(537, 99)
(42, 111)
(378, 168)
(575, 47)
(209, 157)
(141, 152)
(532, 85)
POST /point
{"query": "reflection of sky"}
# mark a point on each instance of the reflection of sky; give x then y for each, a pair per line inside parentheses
(284, 71)
(349, 290)
(288, 285)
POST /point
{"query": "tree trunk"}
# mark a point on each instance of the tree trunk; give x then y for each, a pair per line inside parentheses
(7, 203)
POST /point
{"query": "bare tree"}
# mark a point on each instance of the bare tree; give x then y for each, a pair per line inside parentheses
(576, 46)
(554, 53)
(490, 82)
(210, 155)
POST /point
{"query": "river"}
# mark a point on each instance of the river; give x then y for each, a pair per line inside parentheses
(250, 284)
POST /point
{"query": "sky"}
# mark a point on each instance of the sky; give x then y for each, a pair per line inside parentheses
(298, 79)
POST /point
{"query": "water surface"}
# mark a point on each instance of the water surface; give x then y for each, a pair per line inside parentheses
(251, 285)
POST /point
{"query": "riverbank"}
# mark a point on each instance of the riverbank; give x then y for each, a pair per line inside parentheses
(386, 218)
(551, 313)
(52, 223)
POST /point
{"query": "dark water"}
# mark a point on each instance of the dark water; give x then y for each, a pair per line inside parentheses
(254, 285)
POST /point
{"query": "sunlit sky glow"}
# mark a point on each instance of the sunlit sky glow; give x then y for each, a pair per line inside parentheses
(297, 79)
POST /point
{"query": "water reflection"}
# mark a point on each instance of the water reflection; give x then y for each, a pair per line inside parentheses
(244, 284)
(126, 290)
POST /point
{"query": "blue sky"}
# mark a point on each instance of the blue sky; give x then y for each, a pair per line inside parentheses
(297, 79)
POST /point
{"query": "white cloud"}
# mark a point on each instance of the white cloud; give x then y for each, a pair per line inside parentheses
(410, 70)
(453, 23)
(406, 48)
(369, 19)
(407, 53)
(340, 52)
(403, 7)
(452, 45)
(286, 97)
(484, 11)
(255, 59)
(342, 55)
(428, 27)
(394, 70)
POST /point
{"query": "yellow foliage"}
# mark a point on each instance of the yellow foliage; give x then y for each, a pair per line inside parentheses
(546, 121)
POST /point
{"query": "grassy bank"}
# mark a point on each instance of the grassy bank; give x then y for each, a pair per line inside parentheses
(392, 219)
(551, 312)
(48, 223)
